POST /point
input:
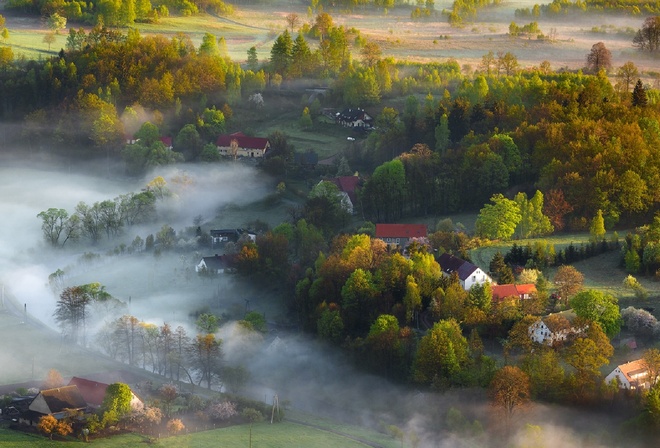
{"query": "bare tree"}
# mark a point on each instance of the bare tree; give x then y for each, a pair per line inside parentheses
(599, 58)
(71, 313)
(292, 19)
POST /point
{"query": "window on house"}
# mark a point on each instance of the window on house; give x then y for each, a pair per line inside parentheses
(397, 240)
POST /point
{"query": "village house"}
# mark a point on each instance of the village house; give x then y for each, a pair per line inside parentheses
(554, 328)
(240, 145)
(93, 393)
(631, 375)
(167, 141)
(468, 274)
(219, 236)
(521, 292)
(58, 402)
(216, 264)
(348, 186)
(354, 118)
(400, 235)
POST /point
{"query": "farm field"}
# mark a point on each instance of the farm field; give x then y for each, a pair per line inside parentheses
(399, 36)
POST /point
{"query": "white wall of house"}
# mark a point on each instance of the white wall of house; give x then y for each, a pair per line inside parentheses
(39, 405)
(617, 373)
(478, 277)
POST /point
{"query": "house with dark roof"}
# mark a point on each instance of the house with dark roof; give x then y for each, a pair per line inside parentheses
(468, 273)
(245, 146)
(400, 235)
(631, 375)
(522, 292)
(58, 402)
(216, 264)
(93, 392)
(354, 118)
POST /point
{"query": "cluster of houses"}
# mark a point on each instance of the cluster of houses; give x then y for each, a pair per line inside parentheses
(239, 145)
(79, 395)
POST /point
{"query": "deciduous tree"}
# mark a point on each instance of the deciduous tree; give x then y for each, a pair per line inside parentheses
(499, 219)
(597, 306)
(509, 390)
(648, 36)
(71, 313)
(441, 354)
(205, 354)
(568, 281)
(599, 58)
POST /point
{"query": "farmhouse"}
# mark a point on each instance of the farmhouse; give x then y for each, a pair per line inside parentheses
(93, 393)
(354, 118)
(554, 328)
(57, 402)
(216, 264)
(468, 274)
(348, 185)
(240, 145)
(521, 292)
(631, 375)
(219, 236)
(400, 235)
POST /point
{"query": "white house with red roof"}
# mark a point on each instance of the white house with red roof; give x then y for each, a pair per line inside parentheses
(399, 235)
(631, 375)
(468, 273)
(253, 147)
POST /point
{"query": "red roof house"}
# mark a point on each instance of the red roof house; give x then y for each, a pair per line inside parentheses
(400, 234)
(348, 184)
(522, 292)
(246, 146)
(93, 392)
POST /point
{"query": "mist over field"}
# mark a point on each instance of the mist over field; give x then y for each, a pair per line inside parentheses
(26, 260)
(306, 374)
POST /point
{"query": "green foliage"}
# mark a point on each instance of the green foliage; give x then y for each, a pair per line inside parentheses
(256, 320)
(441, 354)
(207, 323)
(117, 402)
(597, 306)
(500, 219)
(330, 326)
(597, 228)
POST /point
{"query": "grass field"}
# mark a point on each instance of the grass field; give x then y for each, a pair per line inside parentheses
(602, 272)
(279, 435)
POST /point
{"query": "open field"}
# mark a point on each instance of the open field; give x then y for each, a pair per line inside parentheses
(602, 272)
(280, 435)
(399, 36)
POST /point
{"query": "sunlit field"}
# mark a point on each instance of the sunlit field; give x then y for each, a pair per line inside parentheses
(398, 35)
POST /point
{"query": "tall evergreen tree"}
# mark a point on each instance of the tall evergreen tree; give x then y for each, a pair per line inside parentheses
(639, 98)
(281, 54)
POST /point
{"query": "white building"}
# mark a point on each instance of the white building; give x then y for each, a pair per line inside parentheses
(631, 375)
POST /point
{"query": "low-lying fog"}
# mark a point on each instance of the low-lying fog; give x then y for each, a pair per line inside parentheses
(309, 376)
